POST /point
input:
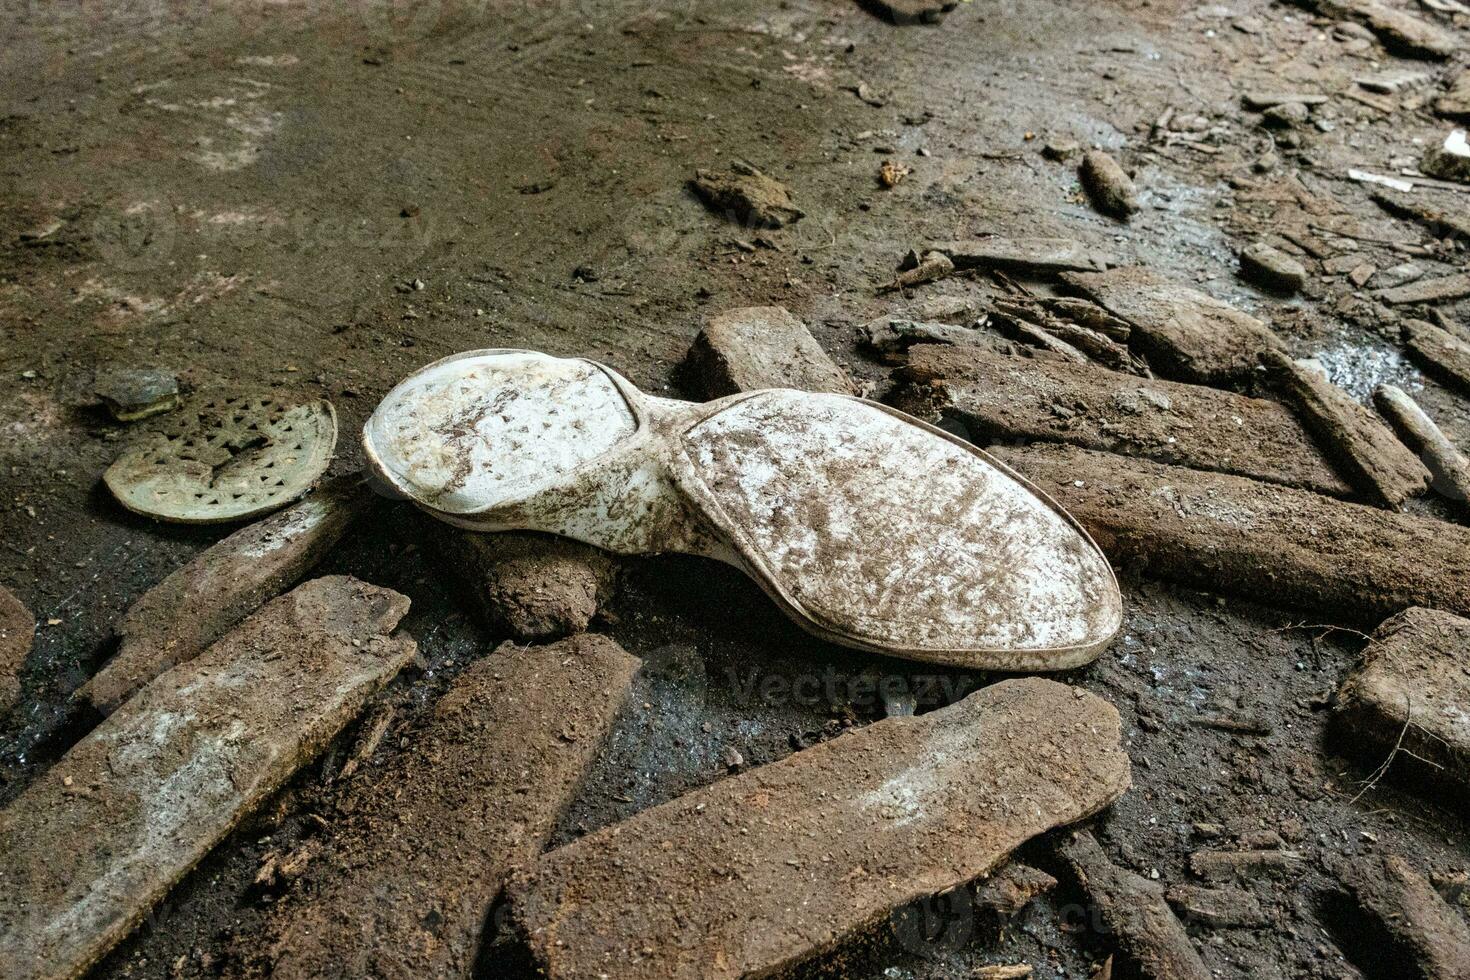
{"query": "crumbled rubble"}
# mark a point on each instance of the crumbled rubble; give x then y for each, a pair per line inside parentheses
(760, 347)
(1405, 701)
(1366, 450)
(194, 606)
(1108, 185)
(1184, 334)
(805, 846)
(1006, 398)
(1448, 467)
(1133, 912)
(423, 849)
(17, 630)
(531, 587)
(1232, 534)
(135, 804)
(747, 196)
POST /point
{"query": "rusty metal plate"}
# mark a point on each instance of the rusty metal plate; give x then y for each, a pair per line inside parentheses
(868, 527)
(225, 458)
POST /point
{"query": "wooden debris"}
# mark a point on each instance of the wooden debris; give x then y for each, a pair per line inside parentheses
(1228, 533)
(1427, 290)
(1012, 888)
(931, 267)
(1414, 207)
(403, 887)
(1225, 865)
(1007, 398)
(765, 869)
(1217, 908)
(1448, 467)
(1384, 469)
(1097, 346)
(760, 347)
(1440, 352)
(199, 603)
(94, 843)
(1420, 926)
(1185, 334)
(1134, 913)
(1025, 254)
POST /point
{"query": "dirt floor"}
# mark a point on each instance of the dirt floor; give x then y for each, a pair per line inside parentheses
(318, 196)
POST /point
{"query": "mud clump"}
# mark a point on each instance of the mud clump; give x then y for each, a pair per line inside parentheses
(746, 195)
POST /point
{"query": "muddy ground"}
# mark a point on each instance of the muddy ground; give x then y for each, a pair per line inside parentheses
(318, 196)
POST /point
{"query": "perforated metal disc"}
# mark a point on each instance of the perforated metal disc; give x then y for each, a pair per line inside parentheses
(226, 457)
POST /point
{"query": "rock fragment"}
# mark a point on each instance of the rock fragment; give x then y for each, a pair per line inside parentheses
(1272, 269)
(1399, 31)
(917, 270)
(1407, 697)
(1454, 103)
(194, 606)
(1044, 255)
(94, 843)
(908, 12)
(1134, 913)
(1185, 334)
(1110, 188)
(1012, 888)
(747, 196)
(1427, 290)
(1217, 908)
(760, 347)
(998, 397)
(1440, 352)
(1448, 467)
(1260, 100)
(17, 631)
(1286, 115)
(1449, 222)
(531, 587)
(403, 886)
(890, 337)
(760, 871)
(1229, 533)
(131, 394)
(1450, 160)
(1367, 451)
(1420, 926)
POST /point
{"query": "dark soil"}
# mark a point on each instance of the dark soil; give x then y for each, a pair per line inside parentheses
(251, 194)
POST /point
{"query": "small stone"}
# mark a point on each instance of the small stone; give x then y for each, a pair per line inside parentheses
(907, 12)
(131, 394)
(1286, 115)
(1450, 160)
(1455, 103)
(1060, 150)
(1271, 268)
(1110, 188)
(731, 758)
(746, 195)
(1261, 100)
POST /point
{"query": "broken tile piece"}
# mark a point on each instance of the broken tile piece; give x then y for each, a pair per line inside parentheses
(1449, 469)
(199, 603)
(1271, 543)
(1133, 912)
(481, 788)
(1410, 690)
(1439, 352)
(531, 587)
(96, 841)
(997, 397)
(1185, 334)
(745, 195)
(1110, 188)
(760, 347)
(1025, 254)
(768, 868)
(1385, 470)
(17, 630)
(1420, 925)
